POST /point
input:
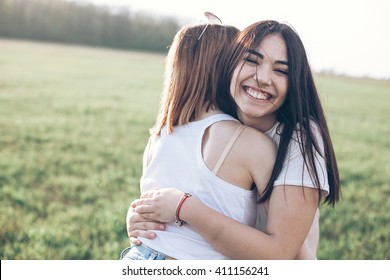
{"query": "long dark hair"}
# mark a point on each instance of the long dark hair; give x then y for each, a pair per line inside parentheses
(301, 107)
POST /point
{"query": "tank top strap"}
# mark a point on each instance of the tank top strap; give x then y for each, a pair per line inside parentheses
(227, 148)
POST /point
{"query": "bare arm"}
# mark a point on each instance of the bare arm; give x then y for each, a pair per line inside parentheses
(289, 221)
(308, 250)
(290, 216)
(137, 226)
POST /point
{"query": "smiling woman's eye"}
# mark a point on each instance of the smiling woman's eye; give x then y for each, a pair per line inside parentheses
(282, 71)
(251, 59)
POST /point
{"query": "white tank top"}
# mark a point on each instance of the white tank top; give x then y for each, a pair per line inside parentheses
(179, 163)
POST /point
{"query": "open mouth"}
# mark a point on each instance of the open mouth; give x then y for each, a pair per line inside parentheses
(260, 95)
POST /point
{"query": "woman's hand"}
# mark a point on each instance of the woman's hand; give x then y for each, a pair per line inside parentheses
(158, 205)
(138, 226)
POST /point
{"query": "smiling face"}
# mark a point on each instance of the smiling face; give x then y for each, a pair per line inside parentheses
(260, 82)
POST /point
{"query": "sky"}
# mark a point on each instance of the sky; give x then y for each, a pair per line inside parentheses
(349, 37)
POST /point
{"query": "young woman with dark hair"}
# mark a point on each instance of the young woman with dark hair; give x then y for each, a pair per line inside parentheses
(270, 80)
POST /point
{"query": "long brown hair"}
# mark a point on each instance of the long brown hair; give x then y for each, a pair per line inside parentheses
(301, 108)
(192, 72)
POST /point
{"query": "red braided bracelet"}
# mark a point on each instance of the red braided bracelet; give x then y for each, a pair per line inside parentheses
(178, 221)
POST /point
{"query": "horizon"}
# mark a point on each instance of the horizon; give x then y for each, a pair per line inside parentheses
(352, 43)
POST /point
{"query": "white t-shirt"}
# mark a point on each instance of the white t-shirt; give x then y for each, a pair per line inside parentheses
(294, 171)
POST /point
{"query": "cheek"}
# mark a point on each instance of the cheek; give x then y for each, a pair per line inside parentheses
(237, 77)
(234, 84)
(282, 90)
(281, 100)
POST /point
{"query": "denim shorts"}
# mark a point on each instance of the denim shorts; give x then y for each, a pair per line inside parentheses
(141, 252)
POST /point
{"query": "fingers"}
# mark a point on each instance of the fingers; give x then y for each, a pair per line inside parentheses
(138, 226)
(144, 209)
(143, 233)
(135, 241)
(136, 203)
(142, 201)
(133, 233)
(144, 225)
(141, 217)
(150, 194)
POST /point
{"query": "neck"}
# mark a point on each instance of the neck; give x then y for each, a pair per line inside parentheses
(203, 114)
(262, 124)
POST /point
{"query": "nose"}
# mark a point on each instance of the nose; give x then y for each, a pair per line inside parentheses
(262, 75)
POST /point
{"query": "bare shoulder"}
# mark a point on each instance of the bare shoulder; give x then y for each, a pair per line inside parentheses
(250, 142)
(258, 141)
(250, 153)
(259, 152)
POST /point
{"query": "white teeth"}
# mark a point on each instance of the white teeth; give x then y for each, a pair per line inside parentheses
(257, 94)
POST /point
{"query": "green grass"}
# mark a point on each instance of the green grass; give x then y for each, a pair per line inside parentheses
(73, 125)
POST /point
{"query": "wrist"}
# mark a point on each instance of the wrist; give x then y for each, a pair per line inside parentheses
(188, 209)
(178, 220)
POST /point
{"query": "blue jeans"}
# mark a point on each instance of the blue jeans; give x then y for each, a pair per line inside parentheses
(141, 252)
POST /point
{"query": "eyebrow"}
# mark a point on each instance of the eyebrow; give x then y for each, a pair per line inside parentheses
(256, 53)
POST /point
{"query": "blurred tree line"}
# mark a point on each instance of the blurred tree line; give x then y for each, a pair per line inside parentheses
(87, 24)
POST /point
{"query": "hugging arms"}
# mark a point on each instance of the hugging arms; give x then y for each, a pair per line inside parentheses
(270, 80)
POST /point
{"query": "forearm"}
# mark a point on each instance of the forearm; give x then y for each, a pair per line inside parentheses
(291, 213)
(229, 237)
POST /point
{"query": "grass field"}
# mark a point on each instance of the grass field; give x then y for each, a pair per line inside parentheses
(73, 125)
